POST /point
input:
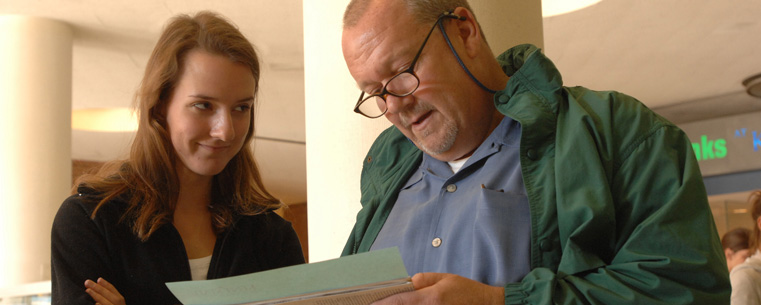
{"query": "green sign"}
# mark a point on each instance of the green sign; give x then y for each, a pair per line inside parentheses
(710, 149)
(726, 145)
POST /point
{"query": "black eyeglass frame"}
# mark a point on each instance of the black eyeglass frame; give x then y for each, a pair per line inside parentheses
(411, 70)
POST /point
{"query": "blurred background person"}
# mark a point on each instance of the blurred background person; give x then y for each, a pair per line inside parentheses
(746, 277)
(735, 244)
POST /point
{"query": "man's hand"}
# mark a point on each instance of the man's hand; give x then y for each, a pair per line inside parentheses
(445, 288)
(104, 293)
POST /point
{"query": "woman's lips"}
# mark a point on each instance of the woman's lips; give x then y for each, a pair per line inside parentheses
(215, 148)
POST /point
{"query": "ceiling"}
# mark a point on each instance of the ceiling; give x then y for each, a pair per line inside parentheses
(686, 59)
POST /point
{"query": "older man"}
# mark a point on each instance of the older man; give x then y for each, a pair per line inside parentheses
(501, 186)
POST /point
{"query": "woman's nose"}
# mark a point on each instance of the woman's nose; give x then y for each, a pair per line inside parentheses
(222, 127)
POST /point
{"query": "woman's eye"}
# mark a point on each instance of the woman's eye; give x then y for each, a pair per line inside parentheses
(243, 108)
(202, 105)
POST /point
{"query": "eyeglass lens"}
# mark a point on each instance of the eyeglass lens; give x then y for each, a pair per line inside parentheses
(402, 84)
(372, 106)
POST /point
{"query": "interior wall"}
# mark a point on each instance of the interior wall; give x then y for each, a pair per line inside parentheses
(731, 211)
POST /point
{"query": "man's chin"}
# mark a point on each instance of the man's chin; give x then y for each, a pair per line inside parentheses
(434, 149)
(436, 144)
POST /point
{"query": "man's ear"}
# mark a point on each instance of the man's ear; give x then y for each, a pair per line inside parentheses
(469, 32)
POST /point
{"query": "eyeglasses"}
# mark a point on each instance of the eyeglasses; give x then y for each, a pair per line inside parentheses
(400, 85)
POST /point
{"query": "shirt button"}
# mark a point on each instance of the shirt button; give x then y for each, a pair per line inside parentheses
(545, 245)
(503, 99)
(531, 154)
(451, 188)
(436, 242)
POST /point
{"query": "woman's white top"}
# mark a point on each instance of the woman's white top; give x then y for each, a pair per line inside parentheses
(199, 267)
(746, 281)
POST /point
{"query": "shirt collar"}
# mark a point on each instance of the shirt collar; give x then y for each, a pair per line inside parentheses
(499, 138)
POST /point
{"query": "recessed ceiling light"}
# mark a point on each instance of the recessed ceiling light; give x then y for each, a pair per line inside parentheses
(753, 85)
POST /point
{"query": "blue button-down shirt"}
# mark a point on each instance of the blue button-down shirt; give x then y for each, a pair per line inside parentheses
(474, 223)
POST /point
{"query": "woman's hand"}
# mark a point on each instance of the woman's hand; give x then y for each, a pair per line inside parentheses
(103, 292)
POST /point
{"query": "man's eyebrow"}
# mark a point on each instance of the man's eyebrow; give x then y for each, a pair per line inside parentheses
(384, 69)
(390, 66)
(361, 86)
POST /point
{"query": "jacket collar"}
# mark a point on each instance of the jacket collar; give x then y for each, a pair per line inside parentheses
(531, 72)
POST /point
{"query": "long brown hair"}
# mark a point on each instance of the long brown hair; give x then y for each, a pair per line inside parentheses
(755, 211)
(149, 178)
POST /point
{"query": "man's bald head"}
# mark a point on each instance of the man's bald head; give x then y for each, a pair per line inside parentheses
(422, 11)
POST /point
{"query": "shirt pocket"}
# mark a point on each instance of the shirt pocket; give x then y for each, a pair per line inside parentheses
(502, 215)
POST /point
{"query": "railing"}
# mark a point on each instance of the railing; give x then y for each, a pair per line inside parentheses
(26, 294)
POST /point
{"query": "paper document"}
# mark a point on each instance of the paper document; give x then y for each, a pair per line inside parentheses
(358, 279)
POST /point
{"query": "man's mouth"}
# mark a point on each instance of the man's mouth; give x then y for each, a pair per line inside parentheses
(420, 122)
(421, 118)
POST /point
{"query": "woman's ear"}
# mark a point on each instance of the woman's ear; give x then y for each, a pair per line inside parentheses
(469, 32)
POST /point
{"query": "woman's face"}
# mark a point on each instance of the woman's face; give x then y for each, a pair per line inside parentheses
(208, 114)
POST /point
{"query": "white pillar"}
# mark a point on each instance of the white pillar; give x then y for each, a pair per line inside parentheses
(337, 138)
(507, 23)
(35, 132)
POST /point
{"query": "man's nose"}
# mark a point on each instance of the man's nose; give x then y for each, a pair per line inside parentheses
(397, 104)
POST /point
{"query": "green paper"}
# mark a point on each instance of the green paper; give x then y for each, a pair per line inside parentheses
(336, 274)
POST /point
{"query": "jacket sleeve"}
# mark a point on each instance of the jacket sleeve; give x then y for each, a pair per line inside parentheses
(659, 243)
(78, 253)
(290, 252)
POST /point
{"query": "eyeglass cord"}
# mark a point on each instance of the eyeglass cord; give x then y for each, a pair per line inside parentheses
(446, 37)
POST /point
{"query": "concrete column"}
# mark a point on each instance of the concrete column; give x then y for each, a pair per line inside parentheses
(337, 138)
(35, 132)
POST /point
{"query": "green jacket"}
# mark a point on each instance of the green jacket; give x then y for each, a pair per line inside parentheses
(619, 212)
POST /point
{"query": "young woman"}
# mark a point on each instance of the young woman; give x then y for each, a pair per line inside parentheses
(189, 202)
(746, 277)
